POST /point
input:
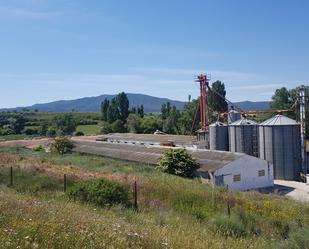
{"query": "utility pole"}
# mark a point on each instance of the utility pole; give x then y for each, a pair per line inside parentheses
(302, 102)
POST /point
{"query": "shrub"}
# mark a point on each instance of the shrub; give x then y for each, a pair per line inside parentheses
(62, 145)
(30, 131)
(299, 238)
(106, 128)
(38, 148)
(100, 192)
(178, 162)
(79, 133)
(229, 226)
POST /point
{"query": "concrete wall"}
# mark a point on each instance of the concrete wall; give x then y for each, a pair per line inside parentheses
(248, 167)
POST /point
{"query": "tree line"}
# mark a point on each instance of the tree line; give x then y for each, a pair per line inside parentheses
(117, 116)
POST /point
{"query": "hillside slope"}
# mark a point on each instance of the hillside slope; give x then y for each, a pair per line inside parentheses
(150, 103)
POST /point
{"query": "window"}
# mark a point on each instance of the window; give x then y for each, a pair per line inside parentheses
(262, 172)
(236, 178)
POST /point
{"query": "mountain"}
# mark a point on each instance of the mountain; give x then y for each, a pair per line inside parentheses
(253, 106)
(151, 104)
(93, 104)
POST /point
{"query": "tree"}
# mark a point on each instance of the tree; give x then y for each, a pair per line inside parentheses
(215, 102)
(104, 109)
(17, 123)
(113, 111)
(64, 124)
(178, 162)
(171, 124)
(123, 105)
(190, 118)
(282, 99)
(118, 126)
(165, 110)
(133, 110)
(134, 123)
(150, 124)
(140, 111)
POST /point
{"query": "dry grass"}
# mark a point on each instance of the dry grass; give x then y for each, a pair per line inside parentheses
(174, 212)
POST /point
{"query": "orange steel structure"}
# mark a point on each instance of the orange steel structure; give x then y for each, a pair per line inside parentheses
(204, 85)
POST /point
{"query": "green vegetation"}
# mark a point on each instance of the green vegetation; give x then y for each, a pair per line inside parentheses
(284, 99)
(89, 129)
(178, 162)
(61, 145)
(174, 212)
(27, 124)
(100, 192)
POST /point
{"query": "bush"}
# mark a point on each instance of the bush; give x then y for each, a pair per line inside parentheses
(229, 226)
(30, 131)
(178, 162)
(79, 133)
(51, 132)
(62, 145)
(117, 126)
(39, 148)
(298, 239)
(100, 192)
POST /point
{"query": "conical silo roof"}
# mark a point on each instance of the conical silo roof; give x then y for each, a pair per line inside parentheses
(218, 124)
(243, 121)
(279, 120)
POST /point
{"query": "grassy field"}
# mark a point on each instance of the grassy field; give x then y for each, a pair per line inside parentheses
(15, 137)
(173, 212)
(89, 129)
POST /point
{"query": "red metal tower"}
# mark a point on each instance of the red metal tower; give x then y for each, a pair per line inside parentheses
(204, 84)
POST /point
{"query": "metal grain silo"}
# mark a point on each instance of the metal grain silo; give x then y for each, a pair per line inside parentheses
(233, 116)
(218, 136)
(243, 137)
(279, 143)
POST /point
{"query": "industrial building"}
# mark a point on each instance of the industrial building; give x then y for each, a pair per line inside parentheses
(238, 171)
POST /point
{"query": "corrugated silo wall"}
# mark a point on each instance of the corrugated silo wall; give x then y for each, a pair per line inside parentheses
(244, 138)
(280, 145)
(218, 138)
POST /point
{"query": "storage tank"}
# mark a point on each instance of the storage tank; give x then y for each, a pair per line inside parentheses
(279, 143)
(218, 136)
(233, 116)
(243, 137)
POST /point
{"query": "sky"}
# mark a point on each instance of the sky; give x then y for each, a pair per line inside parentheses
(67, 49)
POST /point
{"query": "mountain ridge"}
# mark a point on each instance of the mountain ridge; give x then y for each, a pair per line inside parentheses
(150, 103)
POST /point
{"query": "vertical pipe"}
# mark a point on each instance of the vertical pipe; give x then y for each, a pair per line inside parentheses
(302, 99)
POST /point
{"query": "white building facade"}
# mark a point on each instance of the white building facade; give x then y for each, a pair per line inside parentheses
(245, 173)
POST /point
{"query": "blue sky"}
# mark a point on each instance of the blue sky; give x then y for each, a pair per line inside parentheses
(65, 49)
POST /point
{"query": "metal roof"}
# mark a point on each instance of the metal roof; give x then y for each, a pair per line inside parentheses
(233, 111)
(279, 120)
(218, 124)
(209, 160)
(148, 138)
(244, 121)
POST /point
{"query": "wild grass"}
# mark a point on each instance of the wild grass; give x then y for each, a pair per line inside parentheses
(89, 129)
(173, 212)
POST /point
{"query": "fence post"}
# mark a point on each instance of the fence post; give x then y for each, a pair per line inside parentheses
(64, 183)
(228, 208)
(11, 176)
(135, 196)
